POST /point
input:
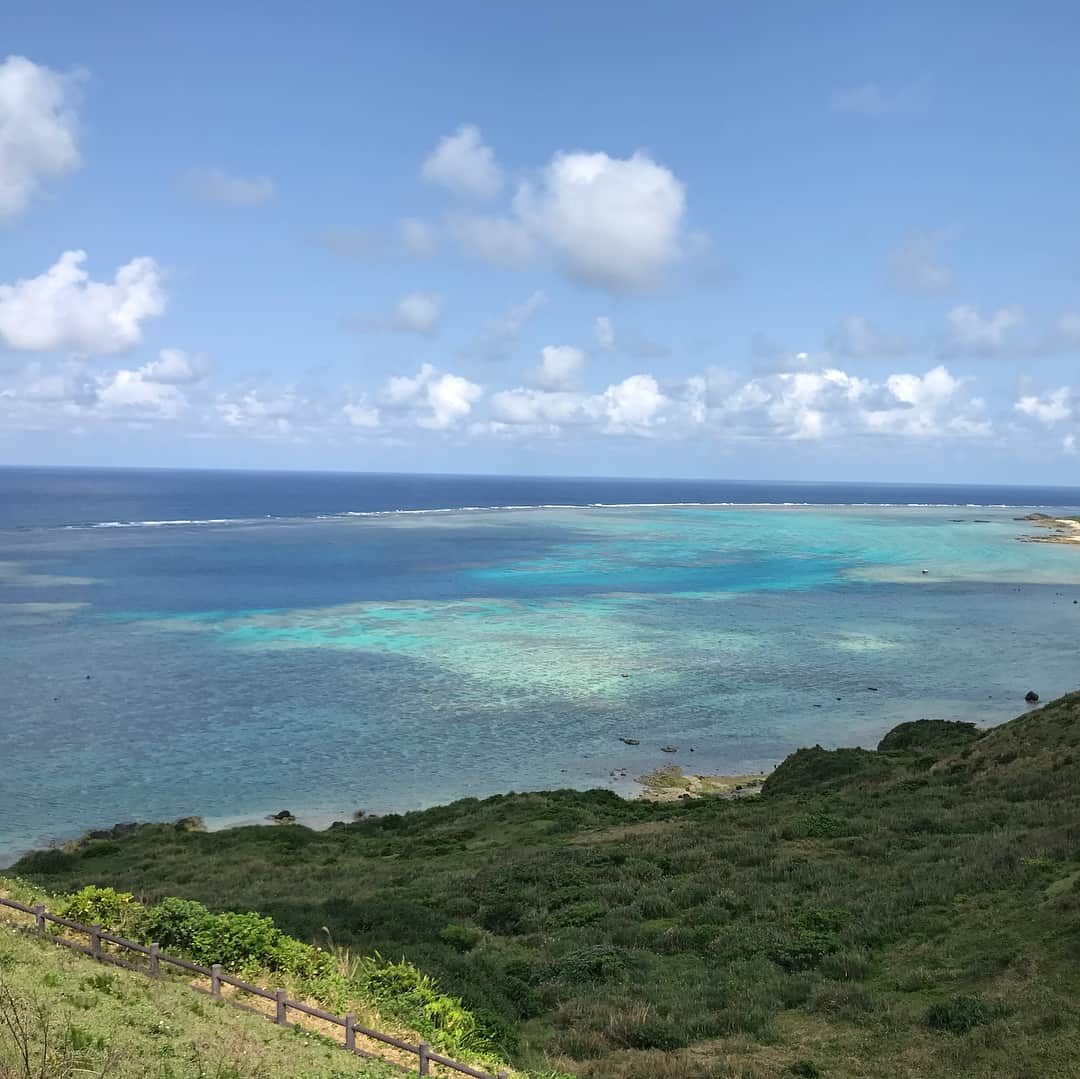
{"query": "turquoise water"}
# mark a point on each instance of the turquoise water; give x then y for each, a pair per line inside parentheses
(390, 662)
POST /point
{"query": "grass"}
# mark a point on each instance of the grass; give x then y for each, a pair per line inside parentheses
(62, 1015)
(913, 911)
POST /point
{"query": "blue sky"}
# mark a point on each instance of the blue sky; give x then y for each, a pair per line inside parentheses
(767, 241)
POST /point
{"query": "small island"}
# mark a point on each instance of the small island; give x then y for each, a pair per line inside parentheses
(1059, 529)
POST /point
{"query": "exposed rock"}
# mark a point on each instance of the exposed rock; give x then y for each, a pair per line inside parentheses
(117, 831)
(283, 817)
(669, 749)
(190, 824)
(1031, 697)
(631, 741)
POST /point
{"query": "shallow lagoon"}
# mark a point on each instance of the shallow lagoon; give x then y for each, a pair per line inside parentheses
(390, 662)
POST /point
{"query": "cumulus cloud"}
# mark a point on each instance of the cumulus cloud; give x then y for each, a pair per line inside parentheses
(973, 334)
(871, 99)
(417, 312)
(636, 405)
(497, 340)
(463, 163)
(64, 309)
(261, 412)
(361, 414)
(1053, 407)
(214, 185)
(560, 367)
(927, 406)
(418, 239)
(38, 130)
(610, 222)
(436, 400)
(859, 339)
(604, 332)
(176, 367)
(135, 390)
(916, 267)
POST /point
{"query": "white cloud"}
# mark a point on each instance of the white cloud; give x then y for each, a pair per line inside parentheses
(213, 185)
(38, 131)
(63, 309)
(635, 405)
(857, 338)
(1052, 408)
(176, 367)
(135, 390)
(262, 413)
(614, 223)
(437, 401)
(970, 333)
(417, 312)
(560, 367)
(499, 336)
(915, 267)
(418, 239)
(464, 164)
(872, 99)
(1068, 444)
(927, 406)
(500, 240)
(604, 332)
(360, 414)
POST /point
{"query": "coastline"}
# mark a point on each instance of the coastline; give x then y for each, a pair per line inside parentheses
(1063, 530)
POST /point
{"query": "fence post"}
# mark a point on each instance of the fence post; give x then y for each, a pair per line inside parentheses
(95, 940)
(39, 915)
(350, 1032)
(279, 996)
(424, 1047)
(155, 963)
(215, 980)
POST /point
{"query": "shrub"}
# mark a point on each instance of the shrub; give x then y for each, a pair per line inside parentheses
(462, 938)
(818, 826)
(236, 941)
(103, 906)
(962, 1013)
(173, 923)
(597, 963)
(806, 1068)
(937, 737)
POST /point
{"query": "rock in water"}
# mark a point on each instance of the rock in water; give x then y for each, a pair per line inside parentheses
(631, 741)
(1031, 697)
(283, 817)
(669, 749)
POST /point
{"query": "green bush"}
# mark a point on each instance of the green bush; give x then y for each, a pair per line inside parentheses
(97, 906)
(596, 963)
(463, 938)
(173, 923)
(959, 1014)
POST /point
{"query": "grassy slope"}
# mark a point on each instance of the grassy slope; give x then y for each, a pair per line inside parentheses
(814, 926)
(105, 1021)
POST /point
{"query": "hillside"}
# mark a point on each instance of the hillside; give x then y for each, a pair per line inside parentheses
(87, 1019)
(910, 911)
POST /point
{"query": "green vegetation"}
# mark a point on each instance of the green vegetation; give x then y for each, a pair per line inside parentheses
(63, 1015)
(913, 911)
(251, 946)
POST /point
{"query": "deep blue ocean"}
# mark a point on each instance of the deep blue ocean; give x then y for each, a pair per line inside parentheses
(230, 644)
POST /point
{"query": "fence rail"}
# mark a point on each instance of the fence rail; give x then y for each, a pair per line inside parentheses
(283, 1005)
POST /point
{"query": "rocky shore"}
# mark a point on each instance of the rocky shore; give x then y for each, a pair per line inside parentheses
(1059, 529)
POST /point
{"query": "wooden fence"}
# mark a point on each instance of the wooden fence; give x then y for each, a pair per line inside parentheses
(155, 957)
